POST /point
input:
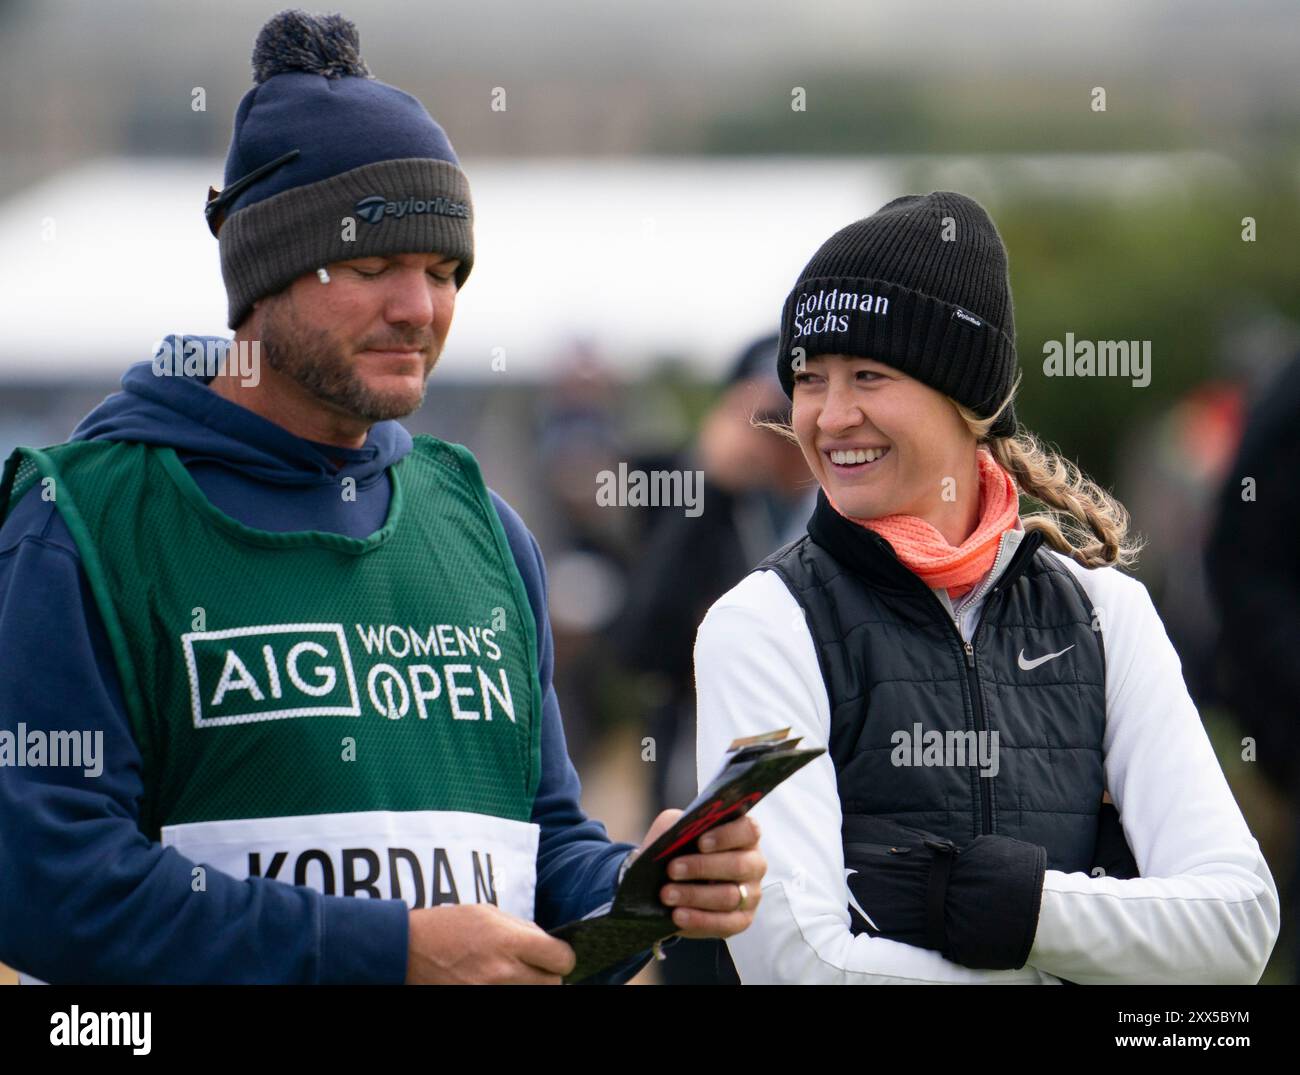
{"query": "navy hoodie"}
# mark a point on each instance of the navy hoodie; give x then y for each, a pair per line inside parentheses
(84, 896)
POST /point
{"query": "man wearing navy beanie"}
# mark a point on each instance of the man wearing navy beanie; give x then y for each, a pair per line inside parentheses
(304, 655)
(326, 164)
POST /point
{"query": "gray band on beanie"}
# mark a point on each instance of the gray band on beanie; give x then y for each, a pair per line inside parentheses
(406, 206)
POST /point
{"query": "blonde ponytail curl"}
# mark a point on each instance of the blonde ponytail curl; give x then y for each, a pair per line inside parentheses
(1081, 519)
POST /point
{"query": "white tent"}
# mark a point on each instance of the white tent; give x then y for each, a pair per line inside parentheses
(640, 257)
(99, 263)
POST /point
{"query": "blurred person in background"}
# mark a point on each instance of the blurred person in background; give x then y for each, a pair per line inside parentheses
(589, 549)
(1253, 564)
(757, 493)
(1173, 470)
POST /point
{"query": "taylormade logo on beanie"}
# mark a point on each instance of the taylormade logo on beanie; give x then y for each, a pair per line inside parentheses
(920, 285)
(328, 164)
(373, 209)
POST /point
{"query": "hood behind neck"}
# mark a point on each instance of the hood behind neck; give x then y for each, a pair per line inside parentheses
(183, 413)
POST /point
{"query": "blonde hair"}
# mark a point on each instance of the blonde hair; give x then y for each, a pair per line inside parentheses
(1080, 519)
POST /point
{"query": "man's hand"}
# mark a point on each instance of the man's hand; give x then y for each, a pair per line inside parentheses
(728, 854)
(479, 944)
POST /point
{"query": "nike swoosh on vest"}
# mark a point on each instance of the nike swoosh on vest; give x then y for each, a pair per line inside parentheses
(1027, 665)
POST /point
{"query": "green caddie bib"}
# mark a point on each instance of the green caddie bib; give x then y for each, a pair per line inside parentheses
(359, 716)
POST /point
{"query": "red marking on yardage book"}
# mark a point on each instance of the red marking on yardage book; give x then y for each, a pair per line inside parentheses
(712, 816)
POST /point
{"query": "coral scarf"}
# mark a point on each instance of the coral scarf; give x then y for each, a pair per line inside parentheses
(926, 552)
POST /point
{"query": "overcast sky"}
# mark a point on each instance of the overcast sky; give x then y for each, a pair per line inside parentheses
(682, 37)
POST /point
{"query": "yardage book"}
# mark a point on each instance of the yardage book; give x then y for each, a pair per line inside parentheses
(635, 919)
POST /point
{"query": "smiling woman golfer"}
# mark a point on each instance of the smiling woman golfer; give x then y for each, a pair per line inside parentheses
(986, 684)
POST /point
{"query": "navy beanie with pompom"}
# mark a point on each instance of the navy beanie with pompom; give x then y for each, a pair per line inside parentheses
(327, 164)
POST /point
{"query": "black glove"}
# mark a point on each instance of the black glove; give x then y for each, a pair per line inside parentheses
(977, 905)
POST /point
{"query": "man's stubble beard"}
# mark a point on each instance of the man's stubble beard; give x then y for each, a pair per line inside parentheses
(312, 359)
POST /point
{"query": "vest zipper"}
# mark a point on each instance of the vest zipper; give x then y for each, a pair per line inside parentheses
(877, 849)
(986, 807)
(970, 599)
(1026, 550)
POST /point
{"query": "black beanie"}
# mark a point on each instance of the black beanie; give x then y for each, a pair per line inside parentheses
(920, 285)
(327, 163)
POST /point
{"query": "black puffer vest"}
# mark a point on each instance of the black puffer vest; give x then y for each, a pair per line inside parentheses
(894, 662)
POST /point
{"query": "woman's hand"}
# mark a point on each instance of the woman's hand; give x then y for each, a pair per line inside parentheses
(713, 893)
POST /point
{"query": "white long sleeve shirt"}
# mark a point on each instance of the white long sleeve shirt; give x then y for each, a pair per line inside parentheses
(1205, 908)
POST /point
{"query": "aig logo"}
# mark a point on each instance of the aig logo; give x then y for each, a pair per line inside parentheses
(266, 673)
(271, 671)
